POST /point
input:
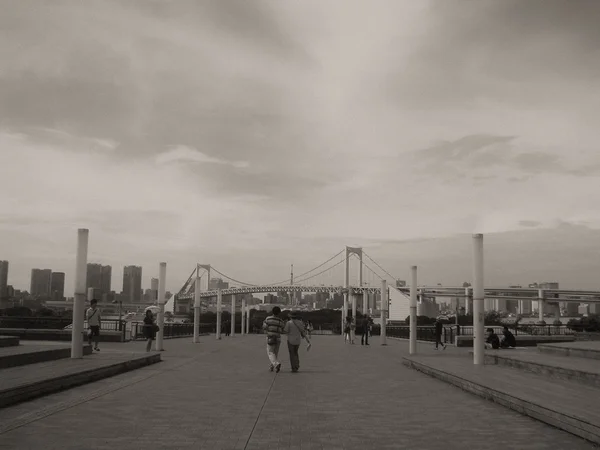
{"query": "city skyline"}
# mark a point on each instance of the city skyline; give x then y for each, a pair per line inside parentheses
(254, 135)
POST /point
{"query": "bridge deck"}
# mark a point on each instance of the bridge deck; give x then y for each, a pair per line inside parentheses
(219, 395)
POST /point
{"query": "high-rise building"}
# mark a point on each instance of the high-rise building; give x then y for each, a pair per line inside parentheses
(154, 289)
(57, 286)
(216, 283)
(99, 277)
(132, 283)
(106, 280)
(3, 279)
(40, 282)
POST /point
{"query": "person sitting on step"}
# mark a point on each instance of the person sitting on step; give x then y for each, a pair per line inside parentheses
(508, 340)
(492, 341)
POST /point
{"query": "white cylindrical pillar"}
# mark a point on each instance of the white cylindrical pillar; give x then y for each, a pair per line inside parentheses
(219, 304)
(345, 311)
(469, 300)
(232, 314)
(243, 314)
(478, 299)
(162, 279)
(197, 308)
(248, 319)
(413, 311)
(365, 303)
(540, 305)
(353, 330)
(80, 293)
(384, 308)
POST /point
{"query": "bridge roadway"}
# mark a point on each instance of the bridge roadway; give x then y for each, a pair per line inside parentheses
(219, 395)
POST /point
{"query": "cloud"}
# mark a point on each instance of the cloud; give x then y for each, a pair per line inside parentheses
(502, 154)
(529, 223)
(183, 154)
(245, 135)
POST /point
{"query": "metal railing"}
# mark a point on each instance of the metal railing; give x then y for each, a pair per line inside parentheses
(525, 330)
(550, 295)
(172, 329)
(449, 333)
(30, 323)
(424, 333)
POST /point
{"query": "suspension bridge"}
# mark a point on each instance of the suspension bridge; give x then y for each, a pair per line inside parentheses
(332, 276)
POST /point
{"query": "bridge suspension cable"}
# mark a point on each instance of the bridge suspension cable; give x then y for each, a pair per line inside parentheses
(187, 283)
(232, 279)
(287, 280)
(384, 271)
(323, 271)
(372, 271)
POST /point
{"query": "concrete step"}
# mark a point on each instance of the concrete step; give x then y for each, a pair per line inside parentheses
(32, 354)
(9, 341)
(579, 370)
(19, 384)
(55, 335)
(572, 407)
(587, 349)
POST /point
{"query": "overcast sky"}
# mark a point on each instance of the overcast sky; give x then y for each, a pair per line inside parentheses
(253, 134)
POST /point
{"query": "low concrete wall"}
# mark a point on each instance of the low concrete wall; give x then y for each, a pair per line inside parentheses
(522, 340)
(9, 341)
(56, 335)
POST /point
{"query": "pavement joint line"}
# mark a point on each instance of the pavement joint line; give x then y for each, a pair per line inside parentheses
(260, 411)
(50, 410)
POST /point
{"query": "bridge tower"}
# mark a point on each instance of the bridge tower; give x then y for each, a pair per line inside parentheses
(349, 252)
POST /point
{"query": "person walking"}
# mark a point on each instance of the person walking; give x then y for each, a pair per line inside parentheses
(295, 331)
(439, 328)
(150, 329)
(93, 320)
(274, 327)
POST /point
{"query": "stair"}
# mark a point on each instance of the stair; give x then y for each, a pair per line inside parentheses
(558, 384)
(31, 354)
(9, 341)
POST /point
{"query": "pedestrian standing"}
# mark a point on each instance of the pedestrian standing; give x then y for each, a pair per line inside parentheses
(366, 323)
(274, 326)
(295, 331)
(93, 320)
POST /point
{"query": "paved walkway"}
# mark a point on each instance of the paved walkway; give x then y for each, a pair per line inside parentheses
(220, 395)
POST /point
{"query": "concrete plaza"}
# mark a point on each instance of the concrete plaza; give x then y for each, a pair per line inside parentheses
(220, 395)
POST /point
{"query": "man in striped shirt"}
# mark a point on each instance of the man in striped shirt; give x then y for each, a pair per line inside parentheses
(274, 326)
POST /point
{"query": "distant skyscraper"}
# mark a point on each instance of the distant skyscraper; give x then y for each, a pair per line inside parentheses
(132, 283)
(106, 280)
(154, 289)
(57, 286)
(3, 279)
(99, 277)
(216, 283)
(40, 282)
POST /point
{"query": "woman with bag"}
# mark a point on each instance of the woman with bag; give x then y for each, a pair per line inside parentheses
(150, 329)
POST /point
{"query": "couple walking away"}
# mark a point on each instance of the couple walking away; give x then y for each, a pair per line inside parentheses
(274, 326)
